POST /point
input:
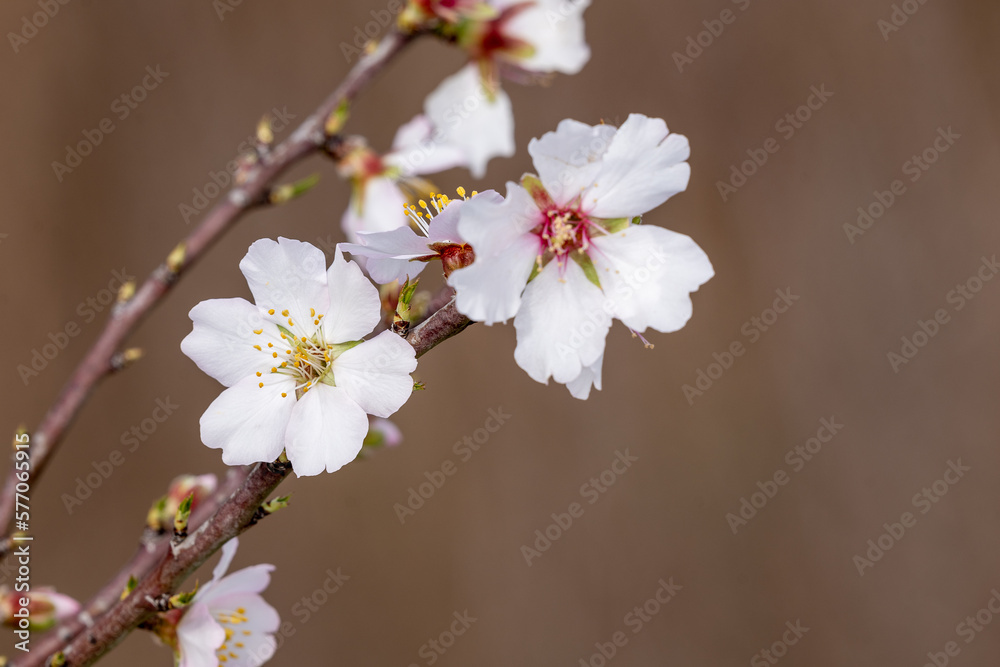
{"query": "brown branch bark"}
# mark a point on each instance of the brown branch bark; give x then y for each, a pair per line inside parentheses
(232, 517)
(310, 137)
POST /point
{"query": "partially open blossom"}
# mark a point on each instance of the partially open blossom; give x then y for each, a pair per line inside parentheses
(521, 41)
(45, 607)
(299, 376)
(382, 184)
(403, 253)
(228, 622)
(563, 256)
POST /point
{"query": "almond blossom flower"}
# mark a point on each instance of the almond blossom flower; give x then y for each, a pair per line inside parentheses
(228, 622)
(403, 253)
(522, 41)
(299, 377)
(563, 256)
(382, 184)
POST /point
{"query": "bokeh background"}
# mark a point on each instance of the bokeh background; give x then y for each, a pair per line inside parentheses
(667, 516)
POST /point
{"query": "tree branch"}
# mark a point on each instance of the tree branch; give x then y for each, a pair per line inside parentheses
(310, 137)
(151, 550)
(231, 518)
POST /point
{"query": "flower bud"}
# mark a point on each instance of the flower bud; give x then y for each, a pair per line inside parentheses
(39, 609)
(162, 513)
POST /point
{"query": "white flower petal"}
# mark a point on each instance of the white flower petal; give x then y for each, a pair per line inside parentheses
(419, 148)
(469, 120)
(380, 208)
(648, 272)
(561, 325)
(228, 553)
(326, 431)
(555, 28)
(286, 275)
(490, 289)
(389, 253)
(443, 227)
(248, 422)
(253, 579)
(569, 159)
(198, 636)
(589, 377)
(222, 339)
(376, 374)
(355, 307)
(252, 643)
(642, 168)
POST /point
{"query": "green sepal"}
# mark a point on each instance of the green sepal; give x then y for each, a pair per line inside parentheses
(615, 225)
(535, 270)
(584, 262)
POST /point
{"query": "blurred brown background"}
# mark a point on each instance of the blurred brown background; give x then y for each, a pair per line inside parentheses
(666, 517)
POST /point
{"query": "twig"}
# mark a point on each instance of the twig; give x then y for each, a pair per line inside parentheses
(310, 137)
(233, 516)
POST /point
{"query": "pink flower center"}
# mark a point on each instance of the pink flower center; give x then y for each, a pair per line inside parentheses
(563, 231)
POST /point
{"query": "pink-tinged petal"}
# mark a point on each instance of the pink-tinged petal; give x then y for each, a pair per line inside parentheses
(589, 378)
(384, 433)
(286, 275)
(198, 637)
(489, 290)
(419, 148)
(326, 431)
(248, 422)
(555, 28)
(376, 374)
(221, 342)
(63, 605)
(561, 325)
(379, 210)
(648, 272)
(480, 125)
(253, 579)
(643, 167)
(355, 307)
(569, 159)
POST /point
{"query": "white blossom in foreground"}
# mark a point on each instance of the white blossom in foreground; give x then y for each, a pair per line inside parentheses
(521, 41)
(563, 256)
(403, 253)
(228, 622)
(299, 376)
(382, 184)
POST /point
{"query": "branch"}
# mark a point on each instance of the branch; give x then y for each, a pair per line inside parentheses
(232, 517)
(151, 550)
(310, 137)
